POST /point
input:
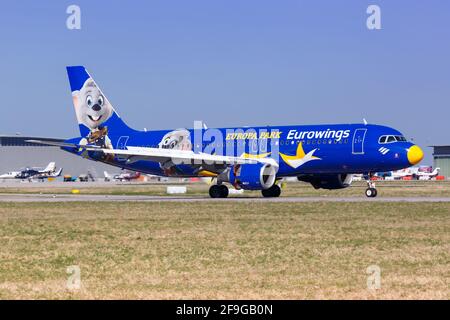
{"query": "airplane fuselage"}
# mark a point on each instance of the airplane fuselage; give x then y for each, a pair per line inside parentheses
(251, 158)
(336, 148)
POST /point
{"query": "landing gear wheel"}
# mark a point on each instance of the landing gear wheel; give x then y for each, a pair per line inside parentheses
(214, 191)
(273, 192)
(371, 192)
(224, 191)
(218, 191)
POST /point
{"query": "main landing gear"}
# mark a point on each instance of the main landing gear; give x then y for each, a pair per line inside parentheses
(221, 191)
(371, 191)
(218, 191)
(273, 192)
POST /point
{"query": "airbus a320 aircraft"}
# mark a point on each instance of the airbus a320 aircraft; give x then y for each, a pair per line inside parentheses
(253, 158)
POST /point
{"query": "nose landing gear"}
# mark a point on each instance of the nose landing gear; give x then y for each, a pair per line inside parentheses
(371, 191)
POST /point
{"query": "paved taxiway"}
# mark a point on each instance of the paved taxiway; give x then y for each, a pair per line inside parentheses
(131, 198)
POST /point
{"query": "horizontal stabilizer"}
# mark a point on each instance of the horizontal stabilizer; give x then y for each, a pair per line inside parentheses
(64, 144)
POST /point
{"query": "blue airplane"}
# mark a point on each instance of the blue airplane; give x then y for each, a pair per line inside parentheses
(252, 158)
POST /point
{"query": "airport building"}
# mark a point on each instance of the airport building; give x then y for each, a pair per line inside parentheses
(441, 159)
(17, 153)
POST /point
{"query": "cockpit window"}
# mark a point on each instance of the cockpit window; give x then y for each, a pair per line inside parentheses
(391, 138)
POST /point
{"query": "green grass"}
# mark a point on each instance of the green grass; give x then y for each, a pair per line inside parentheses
(225, 250)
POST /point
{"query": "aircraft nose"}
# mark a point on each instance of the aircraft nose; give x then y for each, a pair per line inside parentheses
(415, 155)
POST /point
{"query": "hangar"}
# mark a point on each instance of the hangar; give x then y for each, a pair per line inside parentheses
(16, 153)
(441, 159)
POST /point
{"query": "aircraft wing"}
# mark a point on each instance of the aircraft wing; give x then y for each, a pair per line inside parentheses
(133, 154)
(181, 156)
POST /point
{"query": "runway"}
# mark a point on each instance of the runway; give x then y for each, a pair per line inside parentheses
(134, 198)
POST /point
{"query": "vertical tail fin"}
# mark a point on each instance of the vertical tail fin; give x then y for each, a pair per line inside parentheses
(58, 173)
(50, 167)
(93, 110)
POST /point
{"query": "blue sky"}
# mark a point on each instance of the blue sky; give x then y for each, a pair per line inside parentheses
(164, 64)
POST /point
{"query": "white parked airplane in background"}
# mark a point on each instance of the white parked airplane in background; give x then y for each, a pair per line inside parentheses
(10, 175)
(399, 174)
(425, 173)
(421, 173)
(124, 176)
(34, 173)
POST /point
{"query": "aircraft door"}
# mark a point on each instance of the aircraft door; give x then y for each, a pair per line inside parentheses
(358, 141)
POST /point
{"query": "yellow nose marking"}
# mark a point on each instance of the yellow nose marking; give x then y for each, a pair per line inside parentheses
(415, 155)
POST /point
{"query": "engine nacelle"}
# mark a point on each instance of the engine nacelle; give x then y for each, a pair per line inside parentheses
(327, 181)
(257, 176)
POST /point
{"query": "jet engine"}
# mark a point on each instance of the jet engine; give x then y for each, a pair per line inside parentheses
(327, 181)
(257, 176)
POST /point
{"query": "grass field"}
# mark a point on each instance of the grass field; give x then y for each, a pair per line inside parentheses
(225, 250)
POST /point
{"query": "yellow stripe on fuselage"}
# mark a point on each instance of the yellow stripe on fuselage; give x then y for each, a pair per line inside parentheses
(255, 156)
